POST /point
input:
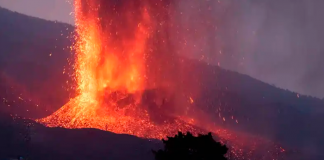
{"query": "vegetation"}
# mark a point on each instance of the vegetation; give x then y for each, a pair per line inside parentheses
(189, 147)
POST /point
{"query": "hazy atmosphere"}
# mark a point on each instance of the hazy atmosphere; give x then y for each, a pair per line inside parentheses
(112, 79)
(278, 42)
(47, 9)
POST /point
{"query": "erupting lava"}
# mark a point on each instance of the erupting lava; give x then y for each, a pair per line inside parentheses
(112, 52)
(116, 77)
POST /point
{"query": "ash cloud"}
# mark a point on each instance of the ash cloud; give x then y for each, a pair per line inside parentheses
(279, 42)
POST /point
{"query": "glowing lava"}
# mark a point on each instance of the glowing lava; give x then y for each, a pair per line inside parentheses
(111, 60)
(113, 74)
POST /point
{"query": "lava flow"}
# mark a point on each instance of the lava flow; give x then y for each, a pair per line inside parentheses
(120, 88)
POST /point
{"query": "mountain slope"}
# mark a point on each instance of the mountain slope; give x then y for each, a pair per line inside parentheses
(66, 144)
(261, 109)
(33, 52)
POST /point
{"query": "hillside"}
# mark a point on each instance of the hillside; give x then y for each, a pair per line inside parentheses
(33, 53)
(65, 144)
(32, 80)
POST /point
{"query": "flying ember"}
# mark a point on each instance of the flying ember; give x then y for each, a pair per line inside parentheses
(116, 88)
(125, 72)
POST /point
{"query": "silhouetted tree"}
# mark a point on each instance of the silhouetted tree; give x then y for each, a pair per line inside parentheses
(189, 147)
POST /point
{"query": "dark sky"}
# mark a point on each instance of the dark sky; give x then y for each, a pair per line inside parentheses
(279, 42)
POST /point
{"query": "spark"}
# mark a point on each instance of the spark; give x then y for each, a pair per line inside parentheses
(191, 100)
(111, 64)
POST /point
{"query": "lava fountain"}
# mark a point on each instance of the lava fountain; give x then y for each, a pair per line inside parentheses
(121, 65)
(111, 69)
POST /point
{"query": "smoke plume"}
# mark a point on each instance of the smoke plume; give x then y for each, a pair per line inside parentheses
(279, 42)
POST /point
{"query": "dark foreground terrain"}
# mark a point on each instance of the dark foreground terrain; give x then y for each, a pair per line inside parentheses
(64, 144)
(33, 55)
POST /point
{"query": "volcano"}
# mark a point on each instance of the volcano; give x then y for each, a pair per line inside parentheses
(231, 100)
(129, 80)
(120, 68)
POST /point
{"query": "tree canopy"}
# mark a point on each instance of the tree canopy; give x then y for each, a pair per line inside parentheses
(189, 147)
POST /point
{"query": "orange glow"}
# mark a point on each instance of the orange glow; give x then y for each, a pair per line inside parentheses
(111, 65)
(111, 59)
(104, 62)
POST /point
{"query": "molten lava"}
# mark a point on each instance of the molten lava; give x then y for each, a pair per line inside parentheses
(119, 86)
(112, 52)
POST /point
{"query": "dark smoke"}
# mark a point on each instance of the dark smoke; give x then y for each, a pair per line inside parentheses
(277, 41)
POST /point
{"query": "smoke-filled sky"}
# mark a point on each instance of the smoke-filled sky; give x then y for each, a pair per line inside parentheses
(277, 41)
(46, 9)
